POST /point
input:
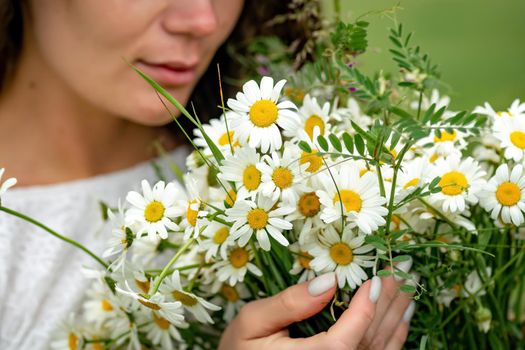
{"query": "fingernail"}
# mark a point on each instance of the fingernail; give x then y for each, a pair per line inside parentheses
(409, 312)
(403, 266)
(321, 284)
(375, 289)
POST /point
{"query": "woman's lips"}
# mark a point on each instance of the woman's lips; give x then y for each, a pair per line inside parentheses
(169, 74)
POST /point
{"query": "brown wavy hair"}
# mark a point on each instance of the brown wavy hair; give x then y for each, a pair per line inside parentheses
(257, 19)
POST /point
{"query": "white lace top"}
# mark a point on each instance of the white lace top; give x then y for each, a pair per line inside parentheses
(40, 278)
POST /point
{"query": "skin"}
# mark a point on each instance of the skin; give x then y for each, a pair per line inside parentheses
(76, 102)
(364, 325)
(73, 77)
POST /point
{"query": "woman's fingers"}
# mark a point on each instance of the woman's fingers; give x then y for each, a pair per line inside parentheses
(267, 316)
(399, 337)
(396, 311)
(389, 292)
(352, 326)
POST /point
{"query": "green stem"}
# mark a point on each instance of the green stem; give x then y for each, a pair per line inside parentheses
(166, 269)
(259, 265)
(54, 233)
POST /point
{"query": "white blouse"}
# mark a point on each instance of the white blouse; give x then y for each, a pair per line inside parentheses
(40, 278)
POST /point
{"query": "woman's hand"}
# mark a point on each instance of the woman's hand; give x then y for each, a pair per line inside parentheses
(377, 318)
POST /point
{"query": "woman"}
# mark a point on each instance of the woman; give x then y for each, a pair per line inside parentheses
(77, 125)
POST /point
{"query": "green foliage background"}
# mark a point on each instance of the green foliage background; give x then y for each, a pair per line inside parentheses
(479, 45)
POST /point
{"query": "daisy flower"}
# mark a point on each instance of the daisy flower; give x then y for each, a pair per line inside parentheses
(301, 264)
(188, 205)
(241, 168)
(231, 297)
(281, 175)
(101, 306)
(194, 304)
(461, 181)
(215, 239)
(444, 144)
(152, 211)
(67, 336)
(356, 197)
(172, 311)
(411, 176)
(307, 216)
(516, 109)
(342, 254)
(216, 131)
(259, 114)
(313, 119)
(352, 112)
(161, 332)
(511, 133)
(260, 218)
(7, 183)
(504, 195)
(234, 268)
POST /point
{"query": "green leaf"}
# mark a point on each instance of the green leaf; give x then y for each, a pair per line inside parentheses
(359, 144)
(334, 140)
(384, 273)
(400, 258)
(349, 143)
(407, 288)
(400, 112)
(322, 142)
(304, 146)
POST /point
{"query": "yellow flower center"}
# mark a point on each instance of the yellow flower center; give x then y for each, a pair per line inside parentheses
(311, 123)
(282, 177)
(341, 253)
(192, 214)
(161, 322)
(446, 136)
(294, 93)
(224, 140)
(143, 286)
(98, 346)
(351, 200)
(411, 183)
(309, 204)
(257, 218)
(453, 183)
(393, 153)
(149, 304)
(239, 257)
(518, 139)
(304, 260)
(231, 197)
(106, 305)
(229, 293)
(184, 298)
(263, 113)
(154, 211)
(508, 193)
(220, 235)
(313, 159)
(251, 178)
(72, 341)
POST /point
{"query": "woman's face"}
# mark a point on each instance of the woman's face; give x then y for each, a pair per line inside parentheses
(88, 45)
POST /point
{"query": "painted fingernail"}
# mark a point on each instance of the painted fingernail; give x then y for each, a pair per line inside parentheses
(375, 289)
(403, 266)
(409, 312)
(321, 284)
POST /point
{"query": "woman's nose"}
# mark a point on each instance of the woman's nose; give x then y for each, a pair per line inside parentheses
(191, 17)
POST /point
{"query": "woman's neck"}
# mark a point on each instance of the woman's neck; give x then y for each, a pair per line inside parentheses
(48, 134)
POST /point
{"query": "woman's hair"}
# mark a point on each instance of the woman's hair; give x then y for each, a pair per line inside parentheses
(253, 22)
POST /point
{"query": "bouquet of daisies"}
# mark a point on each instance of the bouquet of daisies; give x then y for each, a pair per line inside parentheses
(331, 171)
